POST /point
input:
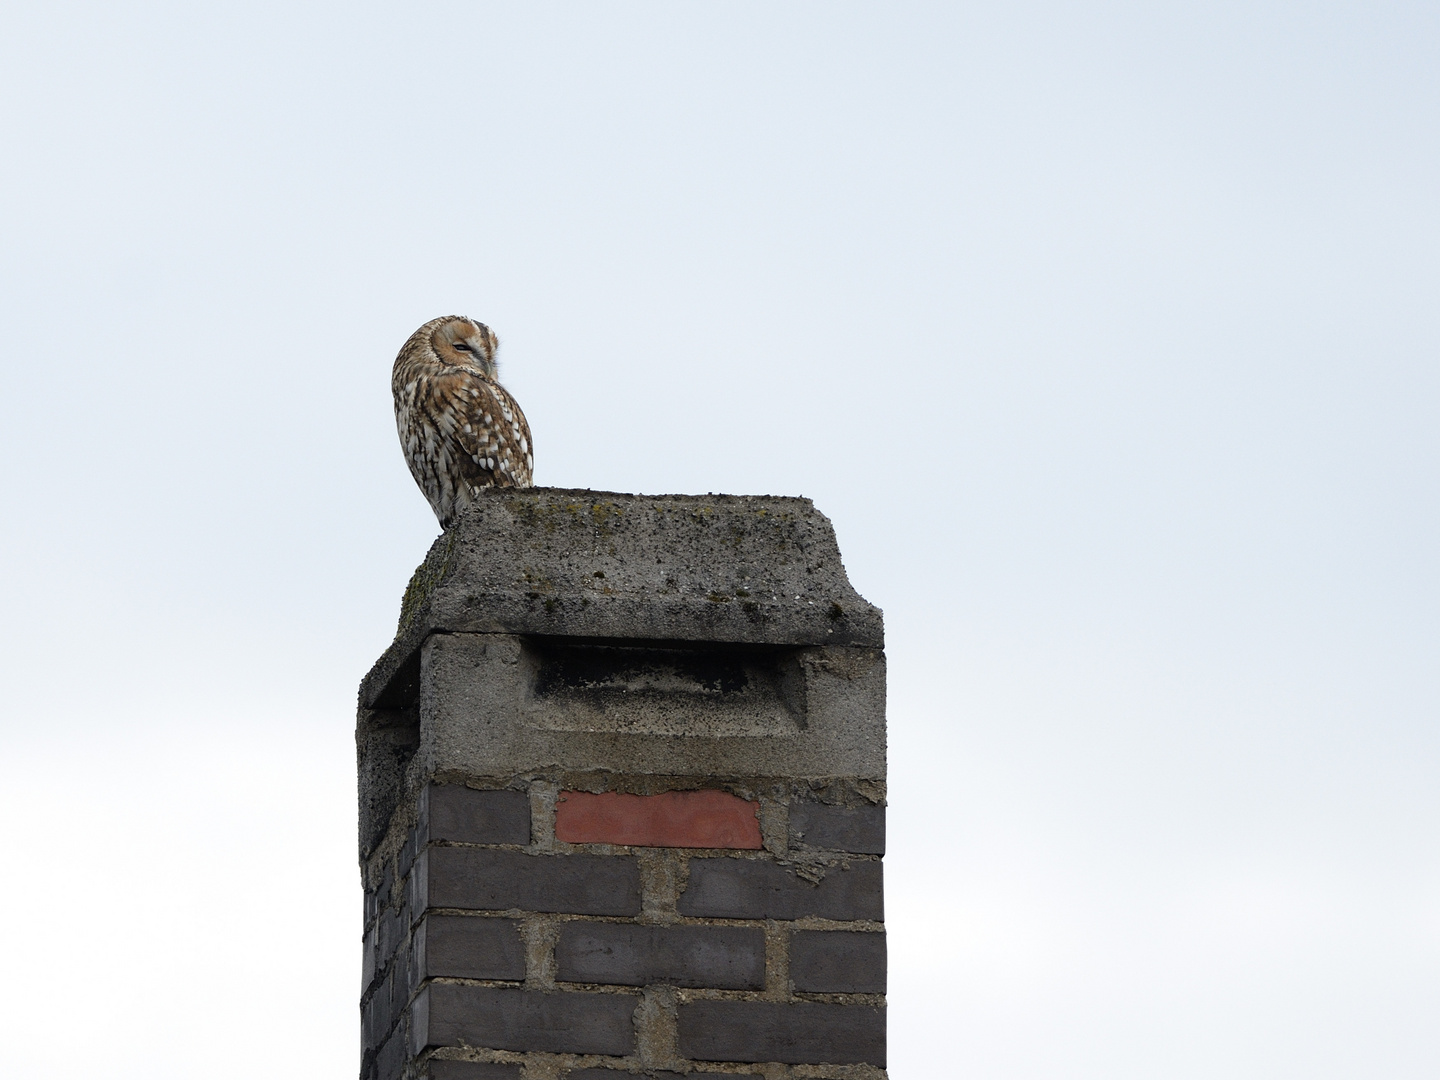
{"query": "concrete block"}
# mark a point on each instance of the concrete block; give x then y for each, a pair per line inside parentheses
(486, 879)
(556, 562)
(724, 957)
(385, 744)
(756, 889)
(837, 962)
(858, 829)
(491, 705)
(498, 1018)
(802, 1033)
(467, 947)
(682, 819)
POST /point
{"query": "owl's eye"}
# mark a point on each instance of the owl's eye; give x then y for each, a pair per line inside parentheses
(462, 346)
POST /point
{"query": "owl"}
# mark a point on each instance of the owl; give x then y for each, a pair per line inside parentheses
(459, 428)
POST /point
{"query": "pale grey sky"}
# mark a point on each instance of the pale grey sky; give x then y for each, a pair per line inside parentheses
(1106, 333)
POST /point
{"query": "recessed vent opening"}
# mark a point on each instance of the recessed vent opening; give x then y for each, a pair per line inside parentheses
(723, 691)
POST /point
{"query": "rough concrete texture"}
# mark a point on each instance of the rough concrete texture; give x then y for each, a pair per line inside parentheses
(594, 564)
(485, 711)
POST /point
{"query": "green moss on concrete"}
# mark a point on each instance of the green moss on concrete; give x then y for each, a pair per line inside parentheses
(427, 577)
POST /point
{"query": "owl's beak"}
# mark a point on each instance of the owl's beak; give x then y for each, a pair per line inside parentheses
(479, 350)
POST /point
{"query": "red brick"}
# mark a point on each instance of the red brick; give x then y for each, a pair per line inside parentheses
(683, 819)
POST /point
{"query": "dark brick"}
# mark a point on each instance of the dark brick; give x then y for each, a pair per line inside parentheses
(837, 962)
(804, 1033)
(377, 1013)
(399, 996)
(727, 957)
(488, 880)
(368, 966)
(839, 828)
(756, 889)
(387, 1004)
(368, 1035)
(447, 1014)
(407, 965)
(471, 1070)
(462, 815)
(390, 1061)
(389, 933)
(467, 947)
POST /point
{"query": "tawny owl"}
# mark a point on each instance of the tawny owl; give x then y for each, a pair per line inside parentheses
(458, 427)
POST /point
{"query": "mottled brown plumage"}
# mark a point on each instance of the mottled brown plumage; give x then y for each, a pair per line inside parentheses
(459, 428)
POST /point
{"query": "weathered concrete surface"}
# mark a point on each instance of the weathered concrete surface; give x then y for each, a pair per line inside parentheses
(594, 564)
(485, 712)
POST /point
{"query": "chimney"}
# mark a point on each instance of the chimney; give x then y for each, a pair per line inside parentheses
(622, 789)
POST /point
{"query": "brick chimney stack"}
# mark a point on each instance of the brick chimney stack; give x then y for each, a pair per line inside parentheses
(622, 786)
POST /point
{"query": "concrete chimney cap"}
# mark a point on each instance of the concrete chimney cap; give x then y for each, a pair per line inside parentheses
(573, 563)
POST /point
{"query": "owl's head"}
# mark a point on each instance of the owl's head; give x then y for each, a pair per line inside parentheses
(466, 343)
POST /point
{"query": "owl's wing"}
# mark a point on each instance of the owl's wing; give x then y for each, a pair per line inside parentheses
(489, 429)
(522, 445)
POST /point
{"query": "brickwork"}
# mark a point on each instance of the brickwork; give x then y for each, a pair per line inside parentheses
(591, 859)
(502, 950)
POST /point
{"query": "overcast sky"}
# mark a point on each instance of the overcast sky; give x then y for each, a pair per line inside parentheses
(1105, 333)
